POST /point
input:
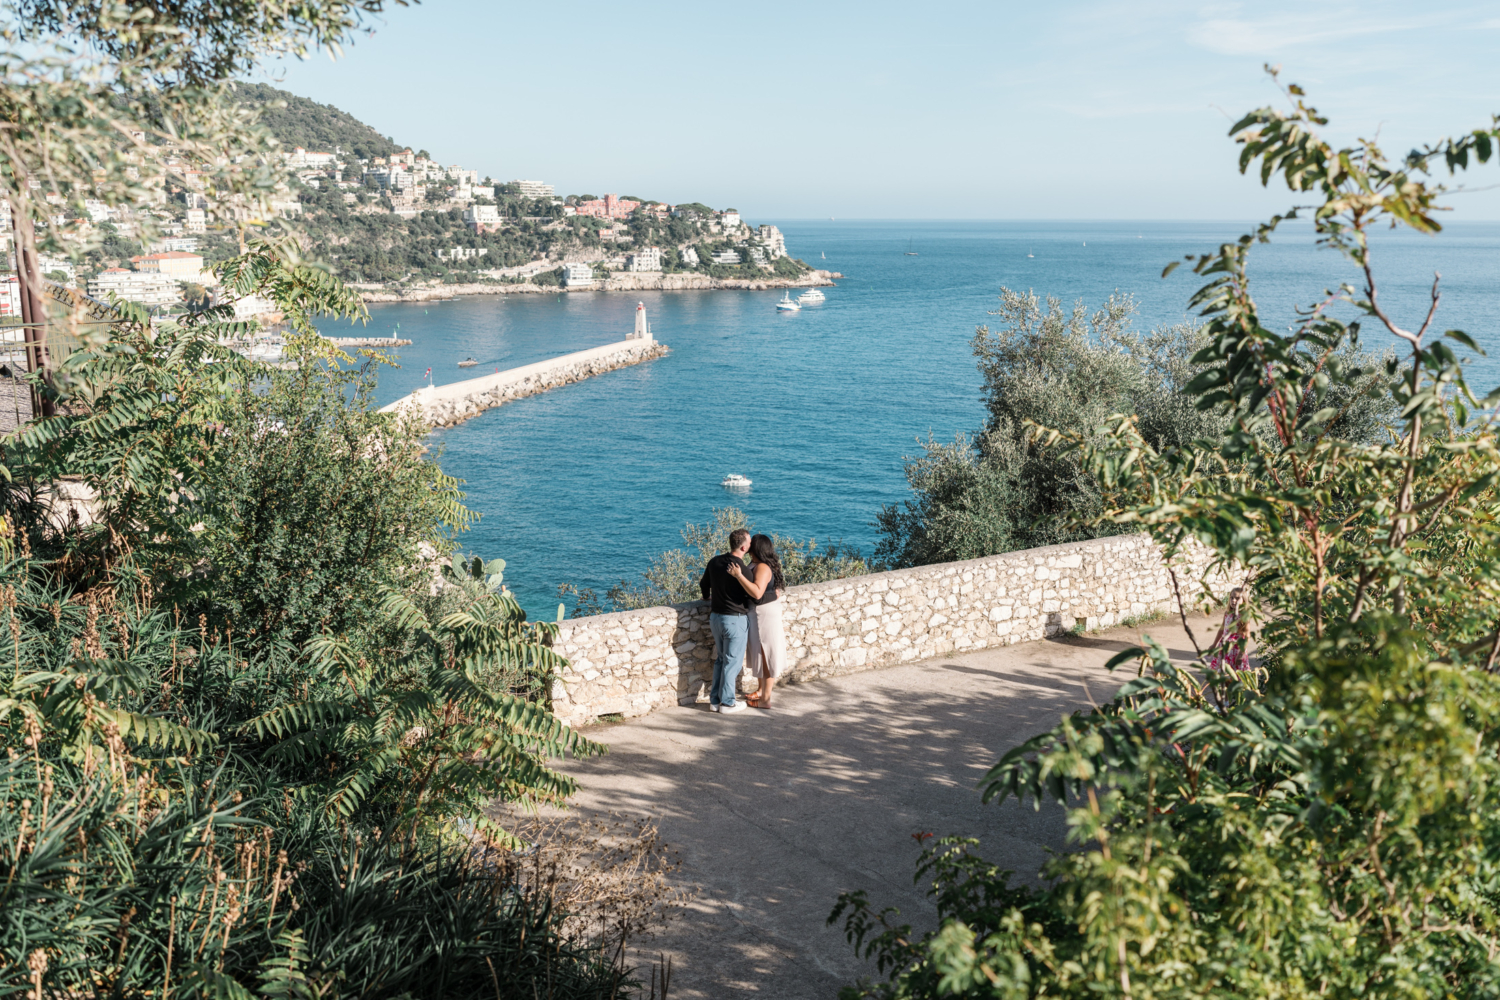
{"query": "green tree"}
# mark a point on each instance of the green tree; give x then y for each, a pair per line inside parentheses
(1309, 809)
(999, 490)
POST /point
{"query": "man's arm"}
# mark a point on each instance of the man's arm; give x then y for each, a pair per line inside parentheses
(705, 586)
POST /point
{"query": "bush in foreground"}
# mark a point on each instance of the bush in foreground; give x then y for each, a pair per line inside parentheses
(1322, 820)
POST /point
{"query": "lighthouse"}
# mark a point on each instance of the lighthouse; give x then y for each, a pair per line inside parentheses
(642, 328)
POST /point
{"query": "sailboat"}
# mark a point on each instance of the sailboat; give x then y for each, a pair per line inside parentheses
(1030, 254)
(823, 255)
(909, 251)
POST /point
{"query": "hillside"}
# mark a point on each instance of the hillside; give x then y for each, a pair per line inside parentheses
(314, 126)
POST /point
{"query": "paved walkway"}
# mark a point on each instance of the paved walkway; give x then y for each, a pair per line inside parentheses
(776, 813)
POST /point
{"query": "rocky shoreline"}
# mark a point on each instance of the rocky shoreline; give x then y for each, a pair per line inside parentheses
(623, 282)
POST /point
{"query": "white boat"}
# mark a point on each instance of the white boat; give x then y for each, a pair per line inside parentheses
(811, 295)
(735, 481)
(467, 363)
(787, 305)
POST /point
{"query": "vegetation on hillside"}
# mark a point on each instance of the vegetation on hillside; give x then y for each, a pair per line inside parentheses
(1310, 808)
(321, 128)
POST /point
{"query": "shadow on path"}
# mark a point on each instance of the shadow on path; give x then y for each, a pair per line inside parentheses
(775, 813)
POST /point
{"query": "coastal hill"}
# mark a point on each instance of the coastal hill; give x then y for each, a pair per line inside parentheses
(306, 123)
(387, 218)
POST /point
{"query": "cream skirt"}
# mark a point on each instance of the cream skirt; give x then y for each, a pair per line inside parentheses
(766, 637)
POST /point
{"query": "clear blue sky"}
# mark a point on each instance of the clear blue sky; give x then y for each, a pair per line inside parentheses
(1007, 109)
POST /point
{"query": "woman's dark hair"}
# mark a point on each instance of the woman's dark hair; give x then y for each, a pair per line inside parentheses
(763, 550)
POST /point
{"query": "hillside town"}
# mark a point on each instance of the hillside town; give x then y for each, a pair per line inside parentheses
(159, 253)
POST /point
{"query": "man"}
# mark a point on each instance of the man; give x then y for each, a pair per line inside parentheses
(729, 610)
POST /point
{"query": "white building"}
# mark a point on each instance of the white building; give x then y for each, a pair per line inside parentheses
(10, 295)
(149, 288)
(252, 306)
(197, 220)
(773, 241)
(183, 244)
(300, 157)
(482, 218)
(646, 259)
(533, 189)
(462, 253)
(98, 211)
(689, 255)
(730, 219)
(577, 276)
(727, 257)
(46, 263)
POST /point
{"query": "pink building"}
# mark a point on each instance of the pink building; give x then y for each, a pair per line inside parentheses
(608, 207)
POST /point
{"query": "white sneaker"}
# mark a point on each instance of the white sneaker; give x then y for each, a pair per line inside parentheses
(738, 706)
(712, 707)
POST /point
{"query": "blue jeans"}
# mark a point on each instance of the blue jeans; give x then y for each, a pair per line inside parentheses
(731, 632)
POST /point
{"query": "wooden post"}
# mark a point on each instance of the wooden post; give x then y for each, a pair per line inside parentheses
(33, 303)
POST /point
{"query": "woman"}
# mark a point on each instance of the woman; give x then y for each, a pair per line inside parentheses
(766, 654)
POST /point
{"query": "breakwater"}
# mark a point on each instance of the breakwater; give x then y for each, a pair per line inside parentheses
(632, 662)
(367, 341)
(447, 405)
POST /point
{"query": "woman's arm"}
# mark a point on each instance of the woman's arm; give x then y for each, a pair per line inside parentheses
(756, 587)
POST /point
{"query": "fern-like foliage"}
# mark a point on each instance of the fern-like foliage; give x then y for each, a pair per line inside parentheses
(423, 739)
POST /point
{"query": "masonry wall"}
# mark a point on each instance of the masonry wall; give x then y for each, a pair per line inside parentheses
(632, 662)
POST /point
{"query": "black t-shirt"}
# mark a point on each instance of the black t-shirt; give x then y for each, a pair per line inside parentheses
(722, 591)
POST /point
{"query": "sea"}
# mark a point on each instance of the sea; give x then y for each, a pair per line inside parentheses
(585, 484)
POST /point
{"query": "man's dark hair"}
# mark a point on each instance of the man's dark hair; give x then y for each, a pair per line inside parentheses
(738, 537)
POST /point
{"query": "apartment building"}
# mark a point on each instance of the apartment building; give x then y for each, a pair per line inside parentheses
(533, 189)
(646, 259)
(149, 288)
(482, 218)
(578, 276)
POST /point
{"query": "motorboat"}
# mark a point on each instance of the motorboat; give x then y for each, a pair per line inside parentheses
(467, 363)
(735, 481)
(811, 295)
(787, 305)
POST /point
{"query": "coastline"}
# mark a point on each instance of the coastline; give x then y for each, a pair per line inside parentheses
(624, 281)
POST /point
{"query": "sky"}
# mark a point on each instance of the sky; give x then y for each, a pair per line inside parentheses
(935, 110)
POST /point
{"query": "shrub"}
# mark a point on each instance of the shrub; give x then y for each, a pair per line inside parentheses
(1310, 807)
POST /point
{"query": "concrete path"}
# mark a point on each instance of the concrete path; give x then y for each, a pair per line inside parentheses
(774, 814)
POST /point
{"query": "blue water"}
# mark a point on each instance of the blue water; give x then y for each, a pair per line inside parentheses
(585, 484)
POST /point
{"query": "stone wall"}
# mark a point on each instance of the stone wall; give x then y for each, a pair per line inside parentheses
(446, 405)
(632, 662)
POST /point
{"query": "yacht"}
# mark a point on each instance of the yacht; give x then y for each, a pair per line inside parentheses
(812, 295)
(735, 481)
(467, 363)
(787, 305)
(909, 251)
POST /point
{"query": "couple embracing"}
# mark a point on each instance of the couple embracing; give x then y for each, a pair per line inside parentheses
(745, 615)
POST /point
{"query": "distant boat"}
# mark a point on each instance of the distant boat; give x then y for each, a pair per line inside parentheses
(909, 251)
(467, 363)
(786, 304)
(811, 295)
(735, 481)
(823, 255)
(1030, 254)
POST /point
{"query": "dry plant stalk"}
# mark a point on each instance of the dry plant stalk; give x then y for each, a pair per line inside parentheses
(609, 879)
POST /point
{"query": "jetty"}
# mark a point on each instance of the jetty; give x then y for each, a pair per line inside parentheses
(451, 404)
(367, 341)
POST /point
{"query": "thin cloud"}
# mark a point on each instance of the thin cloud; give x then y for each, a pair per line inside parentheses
(1232, 36)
